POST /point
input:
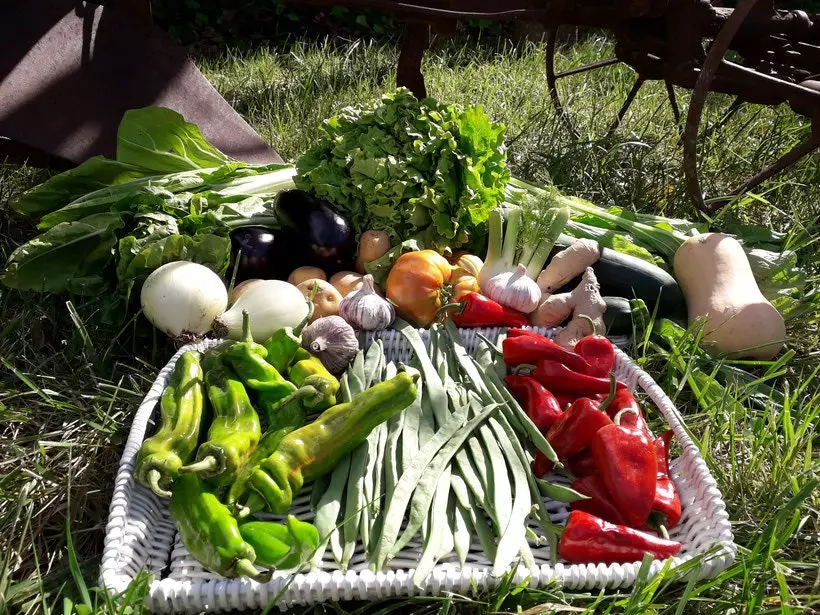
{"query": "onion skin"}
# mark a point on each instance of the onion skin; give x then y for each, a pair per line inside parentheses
(271, 304)
(182, 298)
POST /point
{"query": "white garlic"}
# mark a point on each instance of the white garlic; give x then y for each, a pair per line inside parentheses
(364, 309)
(514, 289)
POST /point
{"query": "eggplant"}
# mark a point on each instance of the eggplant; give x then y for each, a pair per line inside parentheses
(263, 253)
(622, 275)
(322, 237)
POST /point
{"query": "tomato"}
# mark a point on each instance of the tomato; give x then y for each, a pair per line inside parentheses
(416, 283)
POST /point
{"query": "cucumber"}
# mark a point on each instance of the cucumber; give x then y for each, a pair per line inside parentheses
(621, 275)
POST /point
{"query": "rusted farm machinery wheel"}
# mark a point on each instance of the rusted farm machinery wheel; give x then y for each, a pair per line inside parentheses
(780, 62)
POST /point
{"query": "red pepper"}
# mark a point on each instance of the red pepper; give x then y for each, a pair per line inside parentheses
(581, 464)
(624, 400)
(541, 466)
(666, 509)
(588, 539)
(533, 348)
(516, 332)
(559, 378)
(476, 310)
(565, 400)
(625, 459)
(600, 503)
(576, 428)
(539, 404)
(598, 352)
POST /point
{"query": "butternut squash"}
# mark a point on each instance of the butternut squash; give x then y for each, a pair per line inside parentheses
(717, 282)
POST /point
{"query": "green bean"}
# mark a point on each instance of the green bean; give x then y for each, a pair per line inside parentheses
(368, 486)
(482, 529)
(513, 540)
(356, 375)
(461, 532)
(413, 469)
(373, 363)
(436, 536)
(410, 429)
(500, 490)
(423, 492)
(435, 388)
(354, 503)
(327, 510)
(392, 468)
(317, 489)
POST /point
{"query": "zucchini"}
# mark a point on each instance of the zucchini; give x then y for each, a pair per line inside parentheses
(618, 316)
(622, 275)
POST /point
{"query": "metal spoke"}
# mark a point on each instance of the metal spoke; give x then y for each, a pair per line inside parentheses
(586, 67)
(625, 107)
(711, 64)
(673, 102)
(550, 66)
(778, 166)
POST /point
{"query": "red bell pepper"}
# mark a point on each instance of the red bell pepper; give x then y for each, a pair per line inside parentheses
(624, 400)
(539, 404)
(598, 352)
(666, 508)
(541, 466)
(581, 464)
(588, 539)
(565, 400)
(476, 310)
(557, 377)
(625, 459)
(533, 348)
(600, 503)
(576, 428)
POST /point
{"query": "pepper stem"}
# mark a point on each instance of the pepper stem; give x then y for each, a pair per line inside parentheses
(246, 327)
(451, 307)
(306, 391)
(244, 567)
(255, 503)
(528, 366)
(663, 531)
(153, 480)
(617, 419)
(613, 387)
(209, 464)
(589, 320)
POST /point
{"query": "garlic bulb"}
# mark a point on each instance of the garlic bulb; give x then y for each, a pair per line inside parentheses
(364, 309)
(333, 341)
(514, 289)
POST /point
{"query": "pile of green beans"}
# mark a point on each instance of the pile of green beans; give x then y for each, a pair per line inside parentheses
(453, 465)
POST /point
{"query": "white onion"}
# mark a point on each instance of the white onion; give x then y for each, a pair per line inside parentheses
(271, 305)
(183, 298)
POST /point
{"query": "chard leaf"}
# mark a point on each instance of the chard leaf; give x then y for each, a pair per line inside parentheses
(94, 174)
(70, 257)
(212, 251)
(160, 139)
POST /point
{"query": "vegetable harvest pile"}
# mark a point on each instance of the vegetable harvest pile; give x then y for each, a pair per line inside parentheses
(402, 216)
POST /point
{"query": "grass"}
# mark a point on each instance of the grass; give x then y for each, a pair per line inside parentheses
(69, 382)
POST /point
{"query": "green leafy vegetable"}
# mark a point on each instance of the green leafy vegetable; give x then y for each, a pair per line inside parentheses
(414, 169)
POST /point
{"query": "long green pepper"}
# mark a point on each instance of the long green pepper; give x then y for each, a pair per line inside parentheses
(283, 344)
(235, 429)
(173, 445)
(314, 450)
(208, 530)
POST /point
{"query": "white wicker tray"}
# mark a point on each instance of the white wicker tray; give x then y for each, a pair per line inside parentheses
(140, 534)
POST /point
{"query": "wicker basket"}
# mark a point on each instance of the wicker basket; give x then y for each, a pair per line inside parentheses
(140, 534)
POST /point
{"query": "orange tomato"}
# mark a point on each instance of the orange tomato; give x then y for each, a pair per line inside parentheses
(415, 285)
(462, 285)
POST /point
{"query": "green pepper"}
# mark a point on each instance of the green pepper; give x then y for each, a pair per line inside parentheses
(314, 450)
(289, 417)
(248, 359)
(307, 370)
(281, 546)
(208, 530)
(234, 431)
(173, 445)
(283, 344)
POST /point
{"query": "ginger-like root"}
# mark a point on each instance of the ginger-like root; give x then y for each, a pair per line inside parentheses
(568, 263)
(586, 302)
(552, 311)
